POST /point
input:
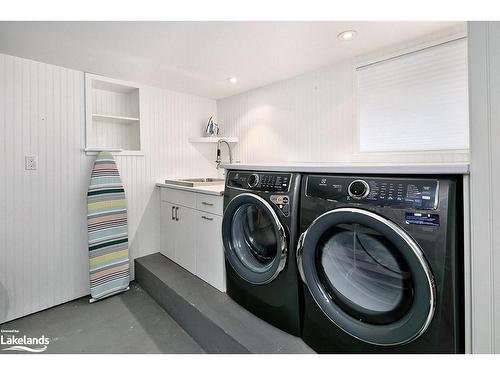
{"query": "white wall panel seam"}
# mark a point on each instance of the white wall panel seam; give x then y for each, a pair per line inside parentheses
(490, 190)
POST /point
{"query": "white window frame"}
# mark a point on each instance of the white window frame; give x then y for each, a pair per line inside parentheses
(388, 56)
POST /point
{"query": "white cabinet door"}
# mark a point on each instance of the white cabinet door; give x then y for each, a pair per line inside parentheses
(185, 244)
(192, 237)
(168, 230)
(209, 250)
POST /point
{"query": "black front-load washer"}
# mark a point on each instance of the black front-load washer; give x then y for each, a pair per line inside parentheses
(382, 264)
(260, 232)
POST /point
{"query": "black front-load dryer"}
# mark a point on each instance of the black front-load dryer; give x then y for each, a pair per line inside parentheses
(260, 232)
(381, 263)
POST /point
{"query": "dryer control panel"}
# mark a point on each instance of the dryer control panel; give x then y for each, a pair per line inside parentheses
(403, 193)
(259, 181)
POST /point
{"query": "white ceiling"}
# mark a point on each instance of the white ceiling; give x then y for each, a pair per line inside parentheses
(198, 57)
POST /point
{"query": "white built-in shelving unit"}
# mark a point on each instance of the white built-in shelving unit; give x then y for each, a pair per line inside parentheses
(112, 115)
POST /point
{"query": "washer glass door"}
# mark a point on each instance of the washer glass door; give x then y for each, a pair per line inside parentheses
(254, 239)
(368, 276)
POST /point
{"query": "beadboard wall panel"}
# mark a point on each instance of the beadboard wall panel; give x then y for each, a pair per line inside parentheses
(307, 118)
(43, 259)
(43, 238)
(484, 86)
(312, 118)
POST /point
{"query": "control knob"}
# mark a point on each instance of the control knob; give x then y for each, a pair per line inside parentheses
(358, 189)
(253, 180)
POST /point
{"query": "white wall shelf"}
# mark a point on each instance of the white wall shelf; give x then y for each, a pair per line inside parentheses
(213, 139)
(112, 115)
(97, 116)
(102, 149)
(118, 151)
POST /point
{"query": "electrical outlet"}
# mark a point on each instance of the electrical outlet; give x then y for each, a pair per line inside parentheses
(30, 163)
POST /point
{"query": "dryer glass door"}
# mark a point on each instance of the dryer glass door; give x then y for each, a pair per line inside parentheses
(364, 273)
(368, 276)
(254, 239)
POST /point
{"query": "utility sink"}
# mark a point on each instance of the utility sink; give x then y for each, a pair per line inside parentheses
(193, 182)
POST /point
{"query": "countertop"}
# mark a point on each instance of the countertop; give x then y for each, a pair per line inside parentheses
(210, 189)
(358, 168)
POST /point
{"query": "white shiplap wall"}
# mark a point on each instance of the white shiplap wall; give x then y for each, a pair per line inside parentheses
(312, 118)
(484, 88)
(308, 118)
(43, 241)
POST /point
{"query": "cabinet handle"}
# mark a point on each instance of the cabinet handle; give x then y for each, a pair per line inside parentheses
(176, 213)
(207, 218)
(207, 204)
(173, 215)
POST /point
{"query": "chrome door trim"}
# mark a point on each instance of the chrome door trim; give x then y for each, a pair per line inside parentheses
(281, 237)
(407, 239)
(300, 254)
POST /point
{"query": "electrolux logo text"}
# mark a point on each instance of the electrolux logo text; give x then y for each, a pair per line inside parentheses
(11, 340)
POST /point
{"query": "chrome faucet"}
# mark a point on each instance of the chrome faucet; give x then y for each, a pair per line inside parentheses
(218, 161)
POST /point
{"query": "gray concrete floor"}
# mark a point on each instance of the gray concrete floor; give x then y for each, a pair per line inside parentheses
(131, 322)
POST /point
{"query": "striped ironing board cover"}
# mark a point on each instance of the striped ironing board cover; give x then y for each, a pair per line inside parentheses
(107, 229)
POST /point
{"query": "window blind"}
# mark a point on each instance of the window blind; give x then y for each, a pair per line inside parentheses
(415, 102)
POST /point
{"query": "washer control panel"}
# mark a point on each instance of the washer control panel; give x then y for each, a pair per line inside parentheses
(259, 181)
(404, 193)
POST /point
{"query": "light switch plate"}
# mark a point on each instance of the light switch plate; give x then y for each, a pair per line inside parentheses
(30, 163)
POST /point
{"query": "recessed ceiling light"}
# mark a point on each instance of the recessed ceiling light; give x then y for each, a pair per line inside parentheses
(232, 79)
(347, 35)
